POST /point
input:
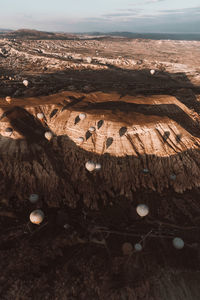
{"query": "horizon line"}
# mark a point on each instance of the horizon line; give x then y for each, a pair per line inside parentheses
(96, 31)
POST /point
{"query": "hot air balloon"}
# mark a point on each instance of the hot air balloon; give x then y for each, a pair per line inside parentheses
(142, 210)
(40, 116)
(8, 99)
(138, 247)
(37, 216)
(8, 131)
(92, 129)
(178, 243)
(97, 167)
(82, 116)
(145, 171)
(90, 166)
(173, 177)
(48, 135)
(80, 140)
(33, 198)
(66, 226)
(25, 82)
(152, 72)
(127, 248)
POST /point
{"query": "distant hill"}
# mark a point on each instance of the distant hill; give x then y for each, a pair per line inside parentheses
(35, 35)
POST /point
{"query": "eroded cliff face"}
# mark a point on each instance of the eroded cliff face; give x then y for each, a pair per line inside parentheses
(142, 143)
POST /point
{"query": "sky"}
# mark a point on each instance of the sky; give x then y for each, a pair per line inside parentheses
(158, 16)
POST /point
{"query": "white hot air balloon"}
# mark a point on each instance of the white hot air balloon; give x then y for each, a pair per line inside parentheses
(92, 129)
(8, 131)
(178, 243)
(8, 99)
(142, 210)
(97, 167)
(138, 247)
(90, 166)
(173, 177)
(48, 135)
(152, 72)
(127, 248)
(37, 216)
(40, 116)
(25, 82)
(145, 171)
(82, 116)
(66, 226)
(33, 198)
(80, 140)
(88, 60)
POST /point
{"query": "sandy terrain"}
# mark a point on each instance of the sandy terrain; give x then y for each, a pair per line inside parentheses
(146, 138)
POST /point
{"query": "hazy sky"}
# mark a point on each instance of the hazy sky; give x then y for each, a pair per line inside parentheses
(102, 15)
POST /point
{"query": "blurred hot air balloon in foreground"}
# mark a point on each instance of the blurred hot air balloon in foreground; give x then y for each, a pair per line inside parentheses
(178, 243)
(33, 198)
(37, 216)
(138, 247)
(142, 210)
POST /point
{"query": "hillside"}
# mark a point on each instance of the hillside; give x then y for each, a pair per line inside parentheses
(31, 34)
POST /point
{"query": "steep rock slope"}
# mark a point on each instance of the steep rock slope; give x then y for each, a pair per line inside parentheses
(142, 143)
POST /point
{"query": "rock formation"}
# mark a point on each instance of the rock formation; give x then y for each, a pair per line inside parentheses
(145, 137)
